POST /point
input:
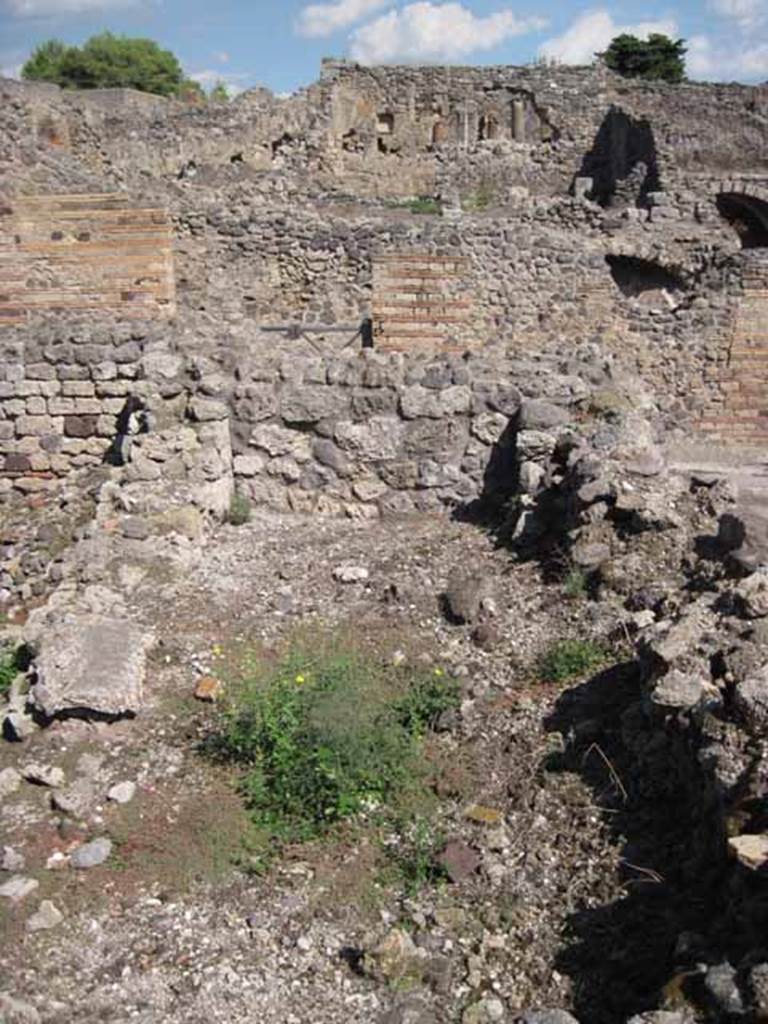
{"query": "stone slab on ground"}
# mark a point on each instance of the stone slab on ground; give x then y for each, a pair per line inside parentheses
(91, 664)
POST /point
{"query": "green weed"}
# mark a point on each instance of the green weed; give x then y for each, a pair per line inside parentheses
(239, 510)
(11, 663)
(575, 584)
(569, 659)
(328, 733)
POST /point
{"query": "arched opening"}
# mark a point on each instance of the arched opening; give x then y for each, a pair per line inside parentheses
(748, 216)
(622, 162)
(646, 281)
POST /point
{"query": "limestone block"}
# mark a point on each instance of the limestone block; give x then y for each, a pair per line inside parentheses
(36, 426)
(489, 427)
(78, 389)
(310, 404)
(380, 438)
(276, 440)
(90, 664)
(204, 410)
(40, 371)
(248, 465)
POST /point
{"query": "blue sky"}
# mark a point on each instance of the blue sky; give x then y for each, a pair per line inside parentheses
(280, 44)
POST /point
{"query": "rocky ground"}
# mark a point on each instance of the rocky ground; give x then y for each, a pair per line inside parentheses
(167, 925)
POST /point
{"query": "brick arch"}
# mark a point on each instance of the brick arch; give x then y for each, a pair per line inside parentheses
(666, 262)
(745, 206)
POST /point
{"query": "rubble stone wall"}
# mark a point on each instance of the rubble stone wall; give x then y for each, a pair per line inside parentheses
(61, 396)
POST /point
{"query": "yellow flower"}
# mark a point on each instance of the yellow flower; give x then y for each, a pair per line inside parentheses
(218, 650)
(300, 680)
(439, 672)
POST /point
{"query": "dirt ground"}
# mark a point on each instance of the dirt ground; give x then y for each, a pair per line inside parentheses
(174, 928)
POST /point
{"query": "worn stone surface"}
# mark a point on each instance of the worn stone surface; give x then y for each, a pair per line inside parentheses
(92, 665)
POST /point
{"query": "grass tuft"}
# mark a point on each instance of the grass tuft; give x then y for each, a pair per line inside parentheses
(570, 659)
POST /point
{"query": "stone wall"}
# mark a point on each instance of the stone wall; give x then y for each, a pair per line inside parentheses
(62, 394)
(370, 433)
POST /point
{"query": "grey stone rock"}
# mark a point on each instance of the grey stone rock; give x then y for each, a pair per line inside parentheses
(328, 454)
(46, 916)
(752, 595)
(350, 574)
(539, 415)
(92, 854)
(203, 410)
(122, 792)
(11, 860)
(75, 800)
(311, 404)
(14, 1011)
(91, 664)
(660, 1017)
(489, 427)
(379, 438)
(43, 774)
(589, 555)
(10, 780)
(681, 690)
(743, 535)
(467, 597)
(535, 444)
(18, 888)
(750, 699)
(546, 1017)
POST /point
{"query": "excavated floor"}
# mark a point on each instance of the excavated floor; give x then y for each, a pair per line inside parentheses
(168, 930)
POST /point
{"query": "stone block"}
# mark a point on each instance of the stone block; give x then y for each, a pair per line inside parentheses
(37, 406)
(380, 438)
(87, 407)
(310, 404)
(40, 371)
(90, 664)
(78, 389)
(80, 426)
(35, 426)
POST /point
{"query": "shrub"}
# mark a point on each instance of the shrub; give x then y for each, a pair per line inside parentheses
(569, 659)
(11, 663)
(575, 583)
(239, 510)
(425, 205)
(328, 733)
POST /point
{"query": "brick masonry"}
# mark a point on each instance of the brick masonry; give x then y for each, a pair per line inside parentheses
(738, 414)
(423, 301)
(77, 253)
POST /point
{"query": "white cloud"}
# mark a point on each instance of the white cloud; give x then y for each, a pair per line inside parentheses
(56, 8)
(708, 61)
(434, 32)
(745, 12)
(11, 70)
(317, 20)
(221, 56)
(593, 31)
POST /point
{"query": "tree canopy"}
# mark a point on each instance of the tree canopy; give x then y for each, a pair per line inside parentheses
(657, 57)
(107, 61)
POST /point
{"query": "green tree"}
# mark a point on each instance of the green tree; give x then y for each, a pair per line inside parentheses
(107, 61)
(219, 93)
(657, 57)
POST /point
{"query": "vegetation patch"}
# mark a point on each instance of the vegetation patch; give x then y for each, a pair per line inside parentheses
(239, 510)
(12, 661)
(328, 733)
(570, 659)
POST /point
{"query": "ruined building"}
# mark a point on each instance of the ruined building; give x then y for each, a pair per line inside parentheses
(287, 270)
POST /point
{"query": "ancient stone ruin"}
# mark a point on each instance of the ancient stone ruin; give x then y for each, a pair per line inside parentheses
(422, 324)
